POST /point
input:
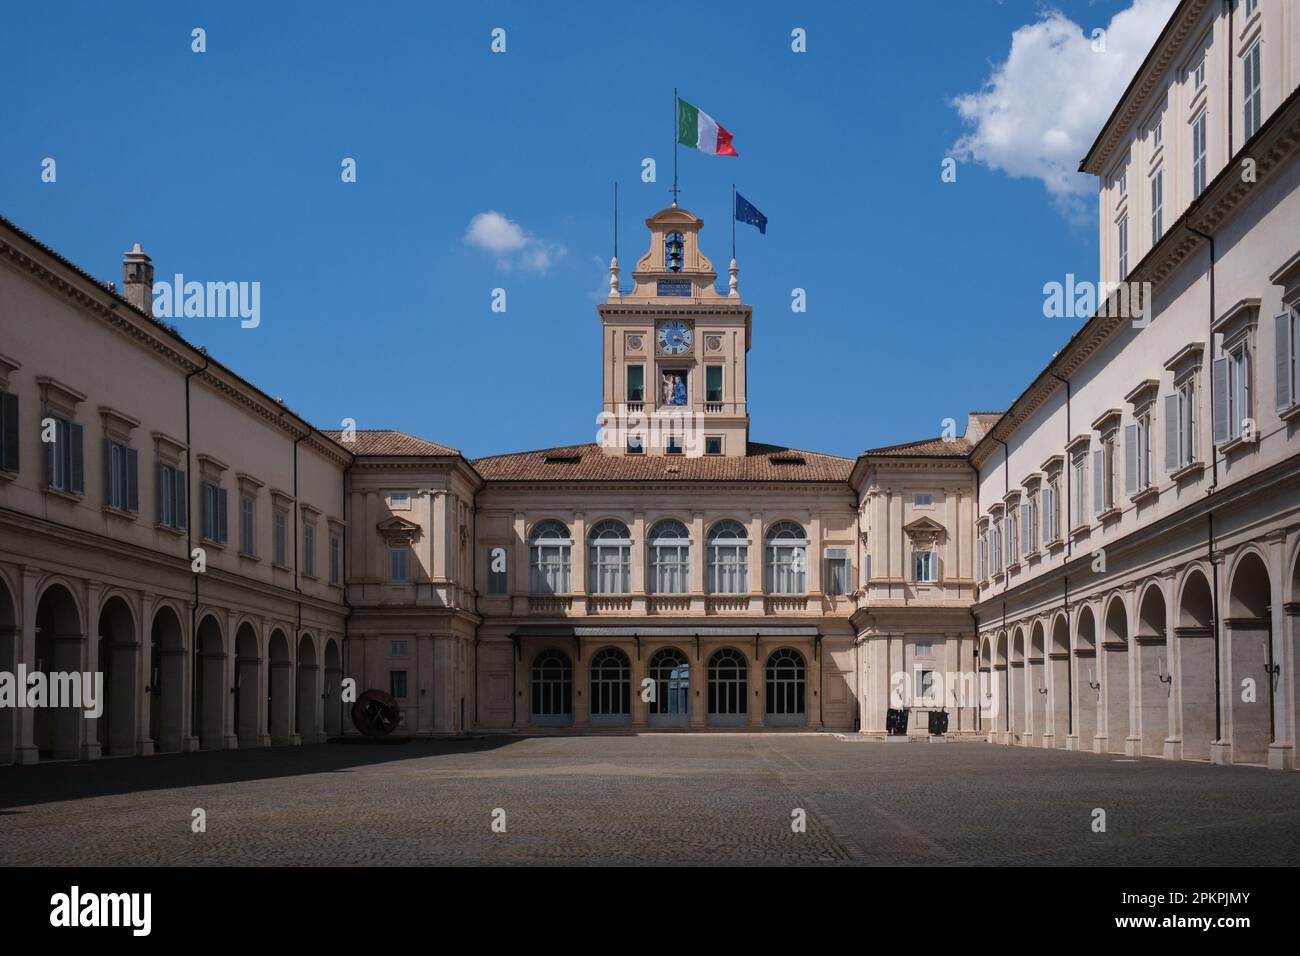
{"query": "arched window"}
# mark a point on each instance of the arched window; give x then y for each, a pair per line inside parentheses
(728, 684)
(785, 686)
(609, 559)
(787, 559)
(670, 558)
(552, 687)
(728, 558)
(549, 552)
(672, 676)
(611, 684)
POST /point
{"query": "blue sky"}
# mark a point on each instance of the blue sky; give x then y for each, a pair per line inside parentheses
(225, 165)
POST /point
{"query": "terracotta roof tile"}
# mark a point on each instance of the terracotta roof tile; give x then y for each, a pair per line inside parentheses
(926, 448)
(386, 442)
(590, 463)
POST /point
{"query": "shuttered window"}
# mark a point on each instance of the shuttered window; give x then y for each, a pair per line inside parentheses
(64, 462)
(1286, 334)
(172, 496)
(213, 502)
(121, 477)
(8, 432)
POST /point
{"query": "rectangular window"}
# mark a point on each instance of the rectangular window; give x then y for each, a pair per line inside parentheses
(983, 555)
(1187, 424)
(1198, 154)
(636, 383)
(1137, 454)
(1286, 332)
(65, 467)
(634, 445)
(713, 445)
(336, 559)
(121, 477)
(925, 648)
(1238, 391)
(497, 577)
(280, 544)
(673, 447)
(1251, 90)
(399, 647)
(397, 567)
(8, 432)
(1158, 133)
(1123, 181)
(247, 531)
(1123, 247)
(1251, 7)
(713, 383)
(1079, 477)
(925, 689)
(171, 496)
(1198, 75)
(925, 567)
(399, 501)
(397, 684)
(309, 549)
(837, 571)
(922, 499)
(1157, 205)
(213, 501)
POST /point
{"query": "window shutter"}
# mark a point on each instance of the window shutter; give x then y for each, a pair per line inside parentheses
(1282, 360)
(221, 515)
(1098, 483)
(1172, 423)
(182, 500)
(158, 491)
(132, 480)
(108, 472)
(1130, 459)
(78, 462)
(1025, 528)
(1219, 382)
(9, 429)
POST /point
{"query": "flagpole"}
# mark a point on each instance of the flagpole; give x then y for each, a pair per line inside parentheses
(733, 221)
(674, 146)
(616, 219)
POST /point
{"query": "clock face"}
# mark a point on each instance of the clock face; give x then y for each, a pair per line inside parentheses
(674, 337)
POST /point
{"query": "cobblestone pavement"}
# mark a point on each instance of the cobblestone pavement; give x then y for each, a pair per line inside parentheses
(651, 799)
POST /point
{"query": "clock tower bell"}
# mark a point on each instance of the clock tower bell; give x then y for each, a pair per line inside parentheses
(674, 351)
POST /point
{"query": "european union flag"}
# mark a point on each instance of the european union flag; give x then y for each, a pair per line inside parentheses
(745, 212)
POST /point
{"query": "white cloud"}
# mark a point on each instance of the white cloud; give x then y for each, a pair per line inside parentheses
(1042, 108)
(511, 244)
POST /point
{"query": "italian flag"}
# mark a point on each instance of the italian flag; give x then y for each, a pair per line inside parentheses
(698, 129)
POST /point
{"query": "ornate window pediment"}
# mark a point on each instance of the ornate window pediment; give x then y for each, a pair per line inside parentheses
(924, 533)
(397, 530)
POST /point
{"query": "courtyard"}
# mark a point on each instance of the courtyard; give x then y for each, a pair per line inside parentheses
(662, 799)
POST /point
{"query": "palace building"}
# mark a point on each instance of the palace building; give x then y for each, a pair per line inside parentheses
(1109, 565)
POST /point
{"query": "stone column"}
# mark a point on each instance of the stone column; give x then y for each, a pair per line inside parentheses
(431, 684)
(230, 735)
(88, 727)
(756, 690)
(755, 527)
(640, 707)
(144, 742)
(697, 654)
(1281, 752)
(699, 568)
(25, 750)
(581, 685)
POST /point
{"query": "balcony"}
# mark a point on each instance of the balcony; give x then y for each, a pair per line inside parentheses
(726, 604)
(669, 604)
(713, 408)
(549, 604)
(609, 604)
(786, 603)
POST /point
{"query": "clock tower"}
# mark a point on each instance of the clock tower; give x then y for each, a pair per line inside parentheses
(674, 351)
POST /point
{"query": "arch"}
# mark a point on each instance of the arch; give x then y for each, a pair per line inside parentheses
(609, 558)
(611, 688)
(1115, 674)
(248, 671)
(1060, 690)
(333, 689)
(1017, 691)
(668, 552)
(60, 639)
(1087, 680)
(1248, 685)
(166, 687)
(279, 687)
(1152, 669)
(785, 558)
(1195, 703)
(786, 688)
(728, 557)
(10, 646)
(210, 683)
(551, 689)
(118, 656)
(671, 673)
(306, 716)
(728, 688)
(1036, 684)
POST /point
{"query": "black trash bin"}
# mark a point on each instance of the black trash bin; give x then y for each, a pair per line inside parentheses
(896, 721)
(938, 723)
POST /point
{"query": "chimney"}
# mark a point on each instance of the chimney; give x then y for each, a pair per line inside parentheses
(137, 279)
